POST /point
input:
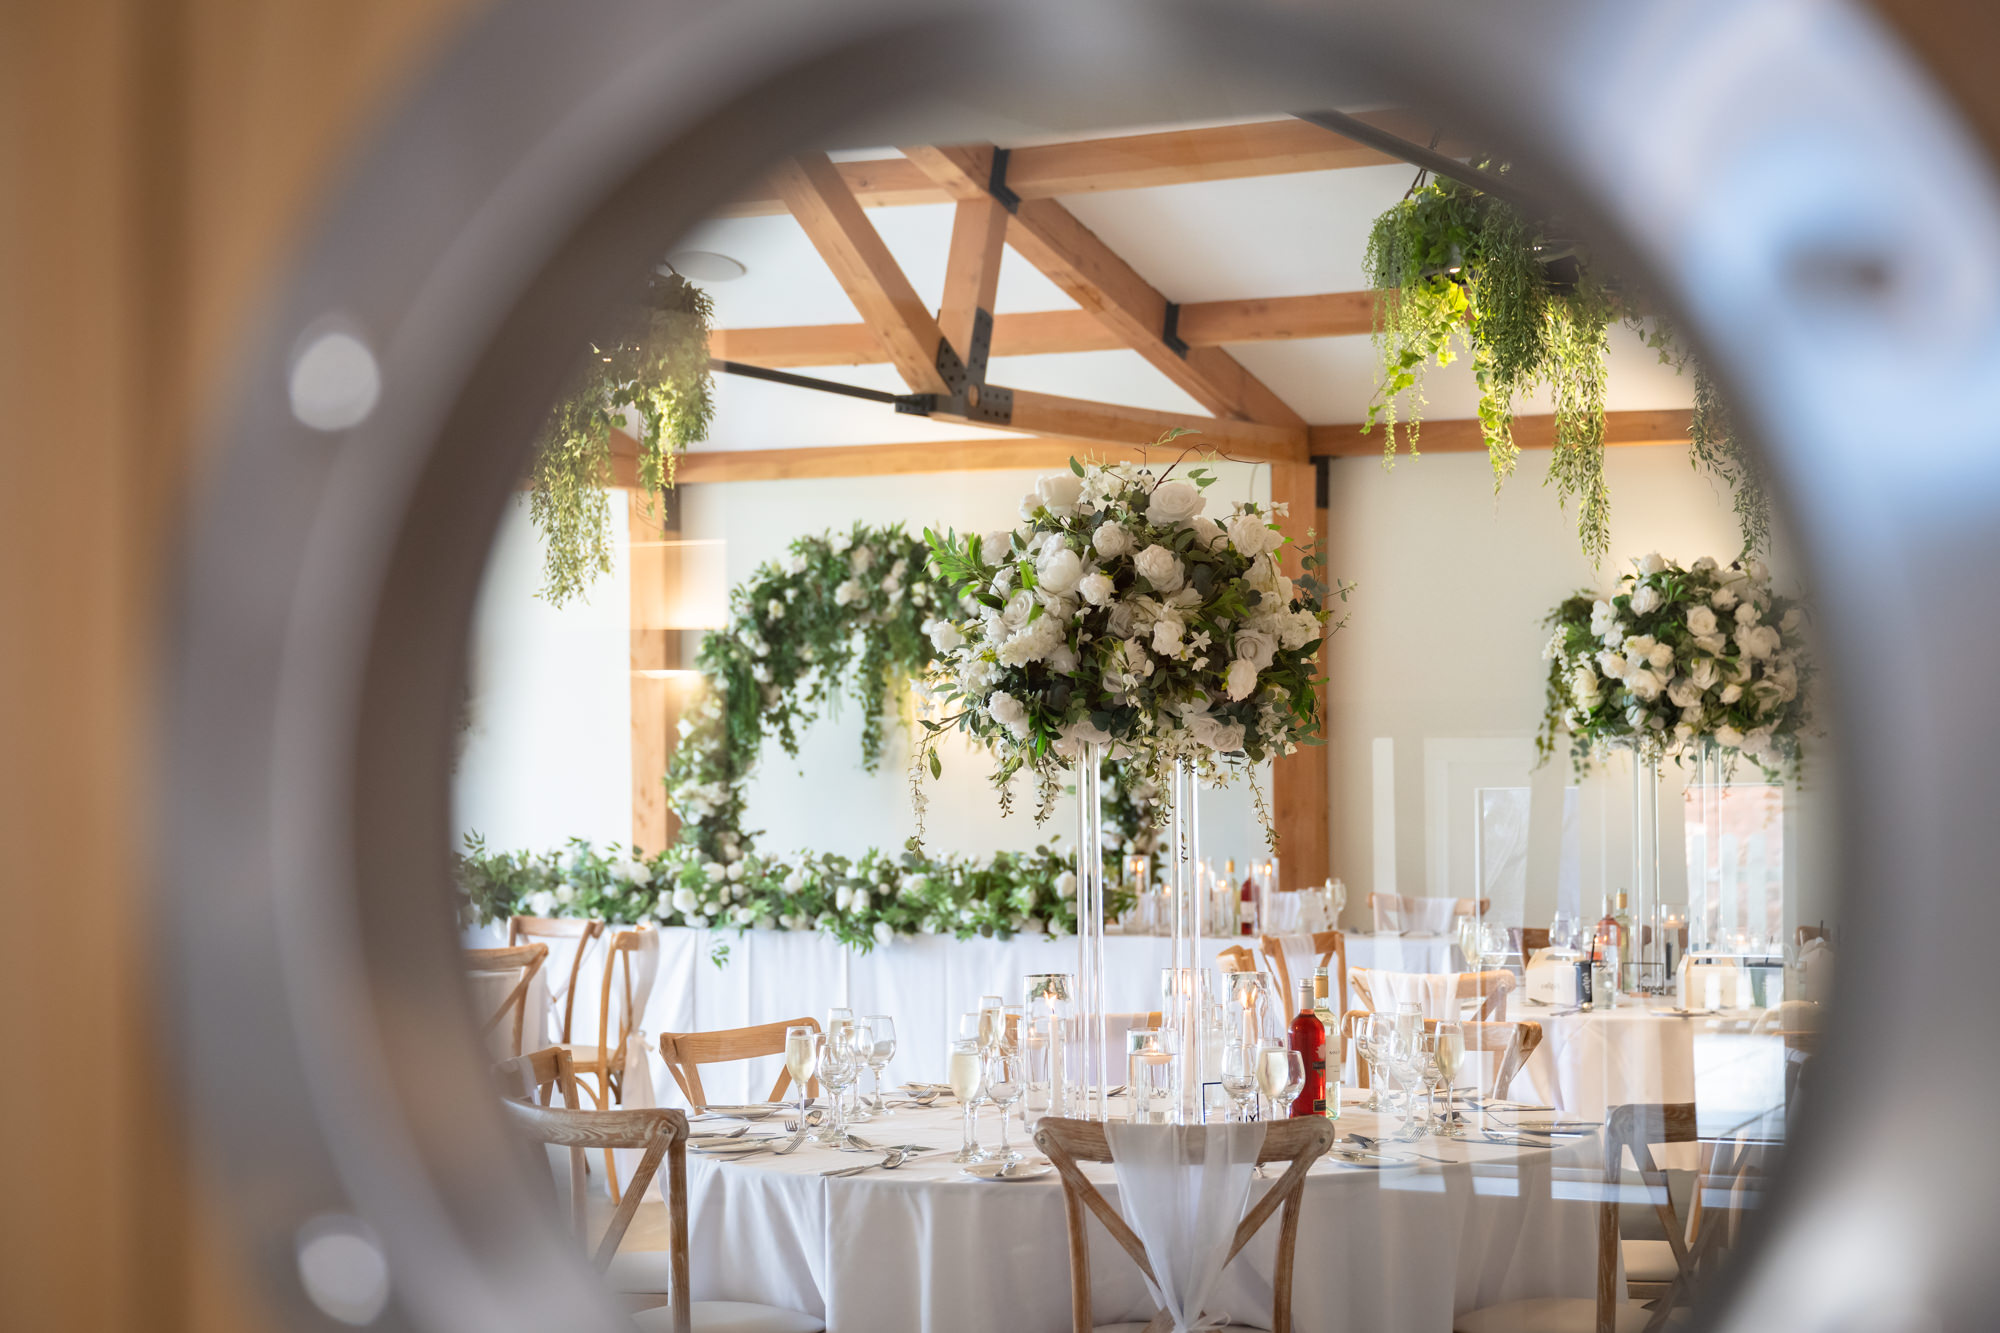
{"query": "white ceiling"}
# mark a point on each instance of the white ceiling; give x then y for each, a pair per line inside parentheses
(1290, 235)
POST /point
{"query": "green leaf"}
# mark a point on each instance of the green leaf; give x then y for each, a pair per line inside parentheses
(937, 768)
(1075, 466)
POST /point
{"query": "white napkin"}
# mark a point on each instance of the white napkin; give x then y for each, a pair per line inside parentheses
(1183, 1189)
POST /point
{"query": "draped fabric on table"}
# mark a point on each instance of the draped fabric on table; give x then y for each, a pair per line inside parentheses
(1416, 916)
(1436, 993)
(1404, 953)
(1182, 1190)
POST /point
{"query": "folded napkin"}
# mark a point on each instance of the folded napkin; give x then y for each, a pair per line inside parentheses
(1183, 1190)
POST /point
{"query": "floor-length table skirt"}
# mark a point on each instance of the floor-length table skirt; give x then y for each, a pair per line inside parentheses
(1404, 953)
(925, 1248)
(1642, 1051)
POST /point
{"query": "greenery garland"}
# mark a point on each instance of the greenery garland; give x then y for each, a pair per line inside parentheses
(848, 612)
(657, 369)
(1464, 269)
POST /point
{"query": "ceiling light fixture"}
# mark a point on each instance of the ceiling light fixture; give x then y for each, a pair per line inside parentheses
(704, 266)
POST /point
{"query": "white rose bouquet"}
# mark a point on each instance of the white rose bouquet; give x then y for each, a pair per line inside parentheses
(1676, 661)
(1119, 613)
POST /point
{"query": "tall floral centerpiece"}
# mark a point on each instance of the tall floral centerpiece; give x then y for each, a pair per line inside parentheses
(1119, 618)
(1704, 663)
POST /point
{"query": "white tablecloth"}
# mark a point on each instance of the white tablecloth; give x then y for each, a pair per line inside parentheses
(1405, 953)
(924, 1247)
(924, 983)
(1641, 1052)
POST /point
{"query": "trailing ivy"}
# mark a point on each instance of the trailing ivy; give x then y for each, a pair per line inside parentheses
(1463, 271)
(656, 369)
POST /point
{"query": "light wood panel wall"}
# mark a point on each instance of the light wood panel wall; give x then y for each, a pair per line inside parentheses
(156, 157)
(1299, 804)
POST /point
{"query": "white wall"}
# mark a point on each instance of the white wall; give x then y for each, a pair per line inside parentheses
(548, 752)
(1441, 663)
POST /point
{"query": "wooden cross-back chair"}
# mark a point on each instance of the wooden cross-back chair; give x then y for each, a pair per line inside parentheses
(1067, 1143)
(1489, 988)
(686, 1052)
(525, 959)
(552, 930)
(1512, 1042)
(1329, 947)
(1524, 940)
(1400, 904)
(1236, 958)
(1693, 1244)
(631, 961)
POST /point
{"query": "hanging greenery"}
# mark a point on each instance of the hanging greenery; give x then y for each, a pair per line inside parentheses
(656, 369)
(1466, 271)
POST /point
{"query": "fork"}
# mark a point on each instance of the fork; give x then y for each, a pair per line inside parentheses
(892, 1159)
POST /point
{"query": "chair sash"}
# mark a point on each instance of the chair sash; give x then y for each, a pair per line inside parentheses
(1183, 1190)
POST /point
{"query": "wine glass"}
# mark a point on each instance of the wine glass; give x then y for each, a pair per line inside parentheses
(880, 1053)
(839, 1066)
(802, 1062)
(1281, 1072)
(966, 1074)
(1003, 1088)
(991, 1020)
(860, 1037)
(1008, 1037)
(1447, 1054)
(1239, 1076)
(1373, 1041)
(1470, 943)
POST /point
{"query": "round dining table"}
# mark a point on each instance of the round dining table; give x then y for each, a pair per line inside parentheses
(1455, 1225)
(1647, 1050)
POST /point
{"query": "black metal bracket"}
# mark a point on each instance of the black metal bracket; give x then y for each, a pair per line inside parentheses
(996, 183)
(980, 404)
(1170, 331)
(956, 373)
(1322, 481)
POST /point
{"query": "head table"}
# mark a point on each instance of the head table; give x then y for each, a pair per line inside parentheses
(925, 1246)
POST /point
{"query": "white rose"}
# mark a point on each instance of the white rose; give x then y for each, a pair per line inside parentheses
(994, 546)
(1705, 565)
(1683, 731)
(1662, 656)
(1167, 636)
(862, 560)
(1015, 614)
(1640, 646)
(1060, 491)
(1066, 884)
(1731, 693)
(1209, 533)
(945, 636)
(794, 882)
(1033, 643)
(1728, 735)
(1583, 683)
(715, 870)
(1703, 675)
(1646, 601)
(735, 871)
(1684, 692)
(1760, 573)
(1111, 540)
(1722, 598)
(1711, 643)
(1242, 678)
(565, 894)
(1758, 641)
(542, 903)
(1063, 660)
(1297, 629)
(1700, 620)
(1746, 614)
(1613, 665)
(685, 902)
(1603, 616)
(848, 592)
(884, 932)
(1222, 737)
(1644, 685)
(1009, 712)
(1096, 587)
(1161, 568)
(843, 898)
(774, 609)
(1059, 570)
(1257, 647)
(1174, 502)
(862, 901)
(1252, 535)
(1792, 620)
(1652, 563)
(1084, 730)
(1123, 621)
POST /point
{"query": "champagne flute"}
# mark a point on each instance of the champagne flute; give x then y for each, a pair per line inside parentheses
(1239, 1076)
(966, 1074)
(990, 1020)
(880, 1053)
(802, 1063)
(1003, 1089)
(1448, 1052)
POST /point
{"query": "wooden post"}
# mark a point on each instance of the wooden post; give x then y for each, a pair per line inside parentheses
(1299, 804)
(654, 523)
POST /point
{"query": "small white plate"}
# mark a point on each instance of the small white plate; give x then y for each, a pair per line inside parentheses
(1368, 1159)
(753, 1111)
(991, 1171)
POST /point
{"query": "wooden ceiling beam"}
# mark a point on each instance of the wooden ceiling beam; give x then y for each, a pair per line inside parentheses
(1054, 417)
(1090, 273)
(1042, 332)
(1462, 435)
(899, 320)
(972, 270)
(1127, 162)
